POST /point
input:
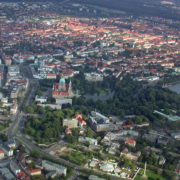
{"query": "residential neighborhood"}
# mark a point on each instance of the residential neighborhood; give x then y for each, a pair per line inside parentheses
(88, 92)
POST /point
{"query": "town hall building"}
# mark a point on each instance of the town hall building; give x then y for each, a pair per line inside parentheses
(62, 89)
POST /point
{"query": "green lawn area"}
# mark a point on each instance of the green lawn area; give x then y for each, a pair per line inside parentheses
(100, 90)
(2, 127)
(76, 157)
(151, 176)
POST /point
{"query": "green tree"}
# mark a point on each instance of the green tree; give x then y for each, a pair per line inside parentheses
(90, 132)
(48, 133)
(40, 110)
(75, 132)
(71, 139)
(40, 177)
(21, 149)
(35, 154)
(3, 137)
(5, 112)
(30, 110)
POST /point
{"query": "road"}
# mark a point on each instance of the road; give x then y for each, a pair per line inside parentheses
(18, 119)
(4, 163)
(12, 130)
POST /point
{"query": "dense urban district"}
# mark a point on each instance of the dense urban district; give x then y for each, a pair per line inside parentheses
(88, 92)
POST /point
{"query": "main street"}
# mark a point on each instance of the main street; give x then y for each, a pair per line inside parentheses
(5, 162)
(18, 119)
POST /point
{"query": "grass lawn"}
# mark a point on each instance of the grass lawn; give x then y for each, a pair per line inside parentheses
(151, 176)
(100, 90)
(76, 157)
(2, 128)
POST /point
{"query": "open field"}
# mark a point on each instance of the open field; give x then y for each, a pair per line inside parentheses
(151, 176)
(76, 157)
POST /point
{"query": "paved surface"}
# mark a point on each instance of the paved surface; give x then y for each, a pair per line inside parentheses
(4, 163)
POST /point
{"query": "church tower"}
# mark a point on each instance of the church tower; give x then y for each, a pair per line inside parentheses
(70, 89)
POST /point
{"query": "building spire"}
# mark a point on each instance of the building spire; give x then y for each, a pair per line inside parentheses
(144, 176)
(70, 88)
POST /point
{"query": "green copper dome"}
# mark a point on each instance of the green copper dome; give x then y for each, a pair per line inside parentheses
(62, 80)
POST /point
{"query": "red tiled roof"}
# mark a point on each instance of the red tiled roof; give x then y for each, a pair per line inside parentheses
(82, 121)
(130, 141)
(35, 170)
(68, 131)
(78, 116)
(22, 175)
(153, 70)
(126, 126)
(57, 92)
(51, 75)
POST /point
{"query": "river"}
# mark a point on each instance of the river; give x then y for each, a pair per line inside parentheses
(175, 88)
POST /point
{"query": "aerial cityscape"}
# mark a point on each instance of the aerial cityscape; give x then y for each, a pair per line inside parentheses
(89, 90)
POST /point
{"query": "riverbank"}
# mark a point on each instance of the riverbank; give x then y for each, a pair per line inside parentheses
(172, 83)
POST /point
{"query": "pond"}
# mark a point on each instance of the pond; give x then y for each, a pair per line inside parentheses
(175, 88)
(101, 97)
